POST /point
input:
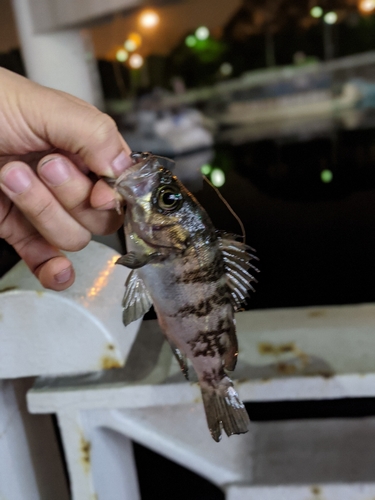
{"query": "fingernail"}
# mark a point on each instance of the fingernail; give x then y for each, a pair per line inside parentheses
(121, 163)
(55, 171)
(64, 276)
(17, 180)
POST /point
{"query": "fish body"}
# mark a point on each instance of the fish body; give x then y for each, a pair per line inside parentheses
(194, 276)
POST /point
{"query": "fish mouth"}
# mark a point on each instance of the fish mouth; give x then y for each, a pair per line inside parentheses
(137, 180)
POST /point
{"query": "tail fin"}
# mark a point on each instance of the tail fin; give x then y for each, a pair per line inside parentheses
(224, 409)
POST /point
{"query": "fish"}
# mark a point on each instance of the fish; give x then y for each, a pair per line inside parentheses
(195, 277)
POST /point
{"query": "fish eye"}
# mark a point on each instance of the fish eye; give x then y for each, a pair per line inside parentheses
(169, 198)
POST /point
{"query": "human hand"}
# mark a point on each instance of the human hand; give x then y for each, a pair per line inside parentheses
(53, 148)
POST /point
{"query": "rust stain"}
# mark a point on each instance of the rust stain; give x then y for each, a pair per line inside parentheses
(269, 349)
(317, 313)
(286, 369)
(109, 362)
(85, 449)
(9, 289)
(40, 293)
(316, 490)
(110, 347)
(197, 400)
(242, 380)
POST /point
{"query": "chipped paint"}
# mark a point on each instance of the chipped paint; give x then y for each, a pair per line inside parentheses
(85, 453)
(269, 349)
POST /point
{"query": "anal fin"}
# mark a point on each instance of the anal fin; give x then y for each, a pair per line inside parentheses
(181, 358)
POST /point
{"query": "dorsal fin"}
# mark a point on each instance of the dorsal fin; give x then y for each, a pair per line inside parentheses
(237, 260)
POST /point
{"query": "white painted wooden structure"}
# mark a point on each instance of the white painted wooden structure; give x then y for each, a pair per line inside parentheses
(285, 354)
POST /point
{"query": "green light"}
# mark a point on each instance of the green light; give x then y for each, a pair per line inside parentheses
(217, 177)
(316, 12)
(202, 33)
(326, 176)
(191, 41)
(206, 169)
(121, 55)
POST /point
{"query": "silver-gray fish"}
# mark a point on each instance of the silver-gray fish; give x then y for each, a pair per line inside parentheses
(195, 277)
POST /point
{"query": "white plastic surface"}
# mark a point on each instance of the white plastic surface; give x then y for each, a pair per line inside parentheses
(43, 332)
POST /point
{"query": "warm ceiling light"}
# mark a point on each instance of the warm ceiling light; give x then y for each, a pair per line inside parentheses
(366, 6)
(149, 19)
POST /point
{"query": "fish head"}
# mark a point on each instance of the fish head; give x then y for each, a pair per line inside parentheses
(162, 211)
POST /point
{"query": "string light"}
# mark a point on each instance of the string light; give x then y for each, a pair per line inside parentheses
(316, 12)
(330, 18)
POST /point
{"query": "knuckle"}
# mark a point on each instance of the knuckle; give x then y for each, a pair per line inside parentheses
(77, 243)
(105, 126)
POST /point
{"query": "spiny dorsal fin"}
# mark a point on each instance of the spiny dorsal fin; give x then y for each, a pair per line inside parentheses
(237, 260)
(136, 301)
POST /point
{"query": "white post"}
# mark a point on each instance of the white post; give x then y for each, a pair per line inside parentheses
(61, 60)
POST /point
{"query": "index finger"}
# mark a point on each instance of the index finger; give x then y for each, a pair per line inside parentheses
(55, 119)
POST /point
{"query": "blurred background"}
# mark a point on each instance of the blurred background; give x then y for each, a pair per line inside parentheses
(272, 100)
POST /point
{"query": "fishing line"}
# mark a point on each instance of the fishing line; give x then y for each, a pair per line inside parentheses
(228, 207)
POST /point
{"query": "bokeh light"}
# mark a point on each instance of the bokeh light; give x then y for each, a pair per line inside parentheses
(366, 6)
(226, 69)
(136, 38)
(122, 55)
(136, 61)
(316, 12)
(202, 33)
(217, 177)
(149, 19)
(206, 169)
(130, 45)
(330, 18)
(326, 176)
(190, 41)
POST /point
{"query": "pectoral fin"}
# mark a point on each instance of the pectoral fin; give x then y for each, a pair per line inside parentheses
(137, 301)
(135, 261)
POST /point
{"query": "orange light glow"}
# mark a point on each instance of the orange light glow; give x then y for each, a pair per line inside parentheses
(102, 280)
(366, 6)
(149, 19)
(136, 38)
